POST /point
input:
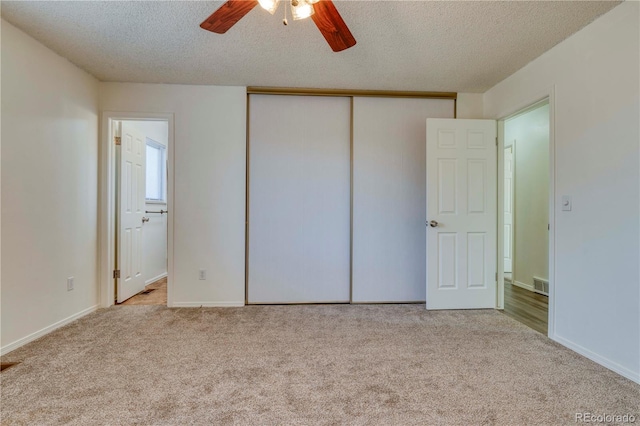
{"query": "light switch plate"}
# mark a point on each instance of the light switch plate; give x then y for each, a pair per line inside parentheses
(566, 203)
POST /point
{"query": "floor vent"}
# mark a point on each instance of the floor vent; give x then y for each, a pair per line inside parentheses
(541, 286)
(5, 365)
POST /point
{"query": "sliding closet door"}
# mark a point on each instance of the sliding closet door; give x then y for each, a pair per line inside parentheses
(389, 249)
(299, 199)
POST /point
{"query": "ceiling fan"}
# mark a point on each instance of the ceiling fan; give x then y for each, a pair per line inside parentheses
(323, 12)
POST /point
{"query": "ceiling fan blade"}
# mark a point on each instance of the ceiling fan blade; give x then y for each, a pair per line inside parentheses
(331, 25)
(227, 15)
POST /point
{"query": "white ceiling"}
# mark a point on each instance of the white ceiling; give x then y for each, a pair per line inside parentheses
(402, 45)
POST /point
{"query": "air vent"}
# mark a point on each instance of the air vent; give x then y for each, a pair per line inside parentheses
(541, 286)
(5, 365)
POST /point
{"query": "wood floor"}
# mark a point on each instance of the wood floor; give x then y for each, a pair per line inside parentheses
(531, 309)
(153, 294)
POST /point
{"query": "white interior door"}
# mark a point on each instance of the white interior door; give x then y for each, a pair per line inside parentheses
(389, 251)
(462, 214)
(508, 208)
(131, 211)
(299, 199)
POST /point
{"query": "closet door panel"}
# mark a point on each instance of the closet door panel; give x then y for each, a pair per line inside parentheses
(389, 197)
(299, 199)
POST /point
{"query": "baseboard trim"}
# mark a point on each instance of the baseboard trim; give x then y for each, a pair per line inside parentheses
(207, 304)
(33, 336)
(159, 277)
(605, 362)
(385, 302)
(523, 285)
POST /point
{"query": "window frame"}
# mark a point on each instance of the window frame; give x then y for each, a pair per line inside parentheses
(163, 171)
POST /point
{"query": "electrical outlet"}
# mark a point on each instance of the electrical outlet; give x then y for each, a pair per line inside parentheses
(202, 274)
(70, 283)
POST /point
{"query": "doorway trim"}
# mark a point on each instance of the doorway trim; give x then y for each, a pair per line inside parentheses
(513, 213)
(521, 107)
(107, 201)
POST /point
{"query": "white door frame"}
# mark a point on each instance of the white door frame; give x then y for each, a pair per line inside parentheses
(511, 112)
(107, 201)
(513, 209)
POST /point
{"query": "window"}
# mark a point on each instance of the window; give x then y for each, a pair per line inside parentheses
(156, 172)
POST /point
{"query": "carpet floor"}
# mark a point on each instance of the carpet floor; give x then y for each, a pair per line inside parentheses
(307, 365)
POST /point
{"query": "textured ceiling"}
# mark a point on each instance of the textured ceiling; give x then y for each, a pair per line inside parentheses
(402, 45)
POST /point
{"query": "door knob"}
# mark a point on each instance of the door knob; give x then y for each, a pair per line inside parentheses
(433, 224)
(145, 219)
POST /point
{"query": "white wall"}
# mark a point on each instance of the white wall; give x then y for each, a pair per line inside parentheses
(154, 236)
(529, 133)
(597, 283)
(49, 189)
(469, 105)
(209, 199)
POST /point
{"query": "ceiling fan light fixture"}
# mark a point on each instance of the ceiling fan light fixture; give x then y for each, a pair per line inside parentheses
(301, 9)
(325, 16)
(269, 5)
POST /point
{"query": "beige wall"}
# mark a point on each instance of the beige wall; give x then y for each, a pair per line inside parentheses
(469, 105)
(49, 189)
(209, 196)
(594, 77)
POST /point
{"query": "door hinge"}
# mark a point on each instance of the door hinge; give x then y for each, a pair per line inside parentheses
(116, 273)
(496, 141)
(118, 140)
(496, 277)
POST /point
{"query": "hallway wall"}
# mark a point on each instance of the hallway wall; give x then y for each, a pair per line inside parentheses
(529, 133)
(593, 76)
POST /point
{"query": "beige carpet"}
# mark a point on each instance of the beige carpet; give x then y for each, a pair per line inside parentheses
(307, 365)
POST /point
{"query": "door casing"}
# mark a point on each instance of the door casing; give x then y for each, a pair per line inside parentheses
(512, 198)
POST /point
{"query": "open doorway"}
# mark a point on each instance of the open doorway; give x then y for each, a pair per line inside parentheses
(136, 201)
(525, 216)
